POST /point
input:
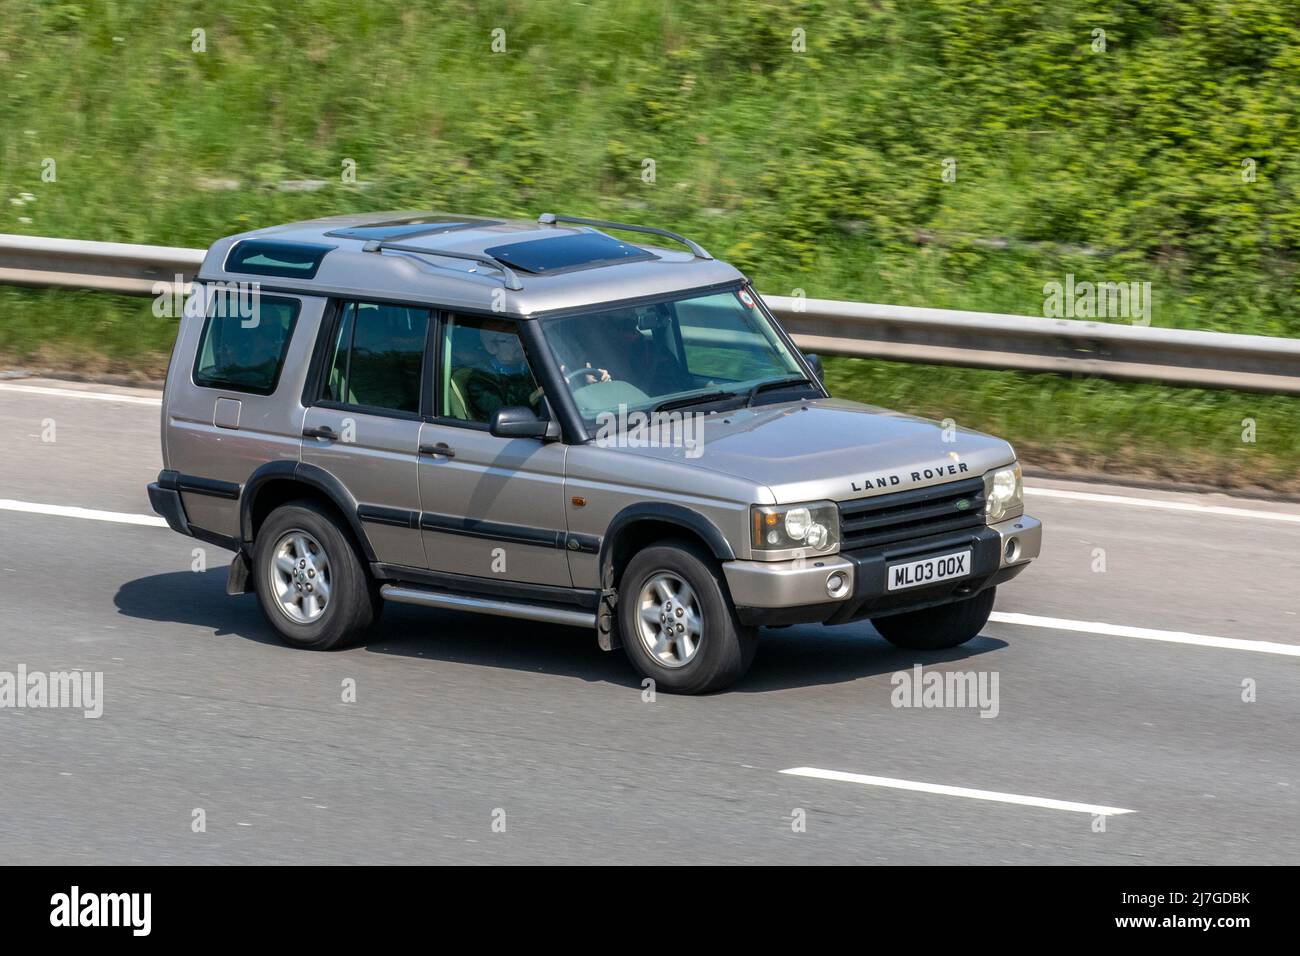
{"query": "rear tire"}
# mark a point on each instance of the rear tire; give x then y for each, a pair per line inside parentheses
(936, 628)
(678, 624)
(310, 581)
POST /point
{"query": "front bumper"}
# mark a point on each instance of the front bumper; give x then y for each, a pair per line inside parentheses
(776, 593)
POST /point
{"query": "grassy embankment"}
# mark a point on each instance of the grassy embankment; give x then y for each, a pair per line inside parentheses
(820, 170)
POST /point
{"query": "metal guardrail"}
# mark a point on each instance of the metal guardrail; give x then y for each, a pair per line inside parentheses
(897, 333)
(1256, 363)
(103, 266)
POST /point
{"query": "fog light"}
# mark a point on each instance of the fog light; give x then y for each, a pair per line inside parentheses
(1012, 550)
(837, 585)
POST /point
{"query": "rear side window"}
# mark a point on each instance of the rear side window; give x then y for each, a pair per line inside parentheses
(377, 359)
(244, 342)
(264, 257)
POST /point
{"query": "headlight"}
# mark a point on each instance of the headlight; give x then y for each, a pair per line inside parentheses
(791, 531)
(1004, 496)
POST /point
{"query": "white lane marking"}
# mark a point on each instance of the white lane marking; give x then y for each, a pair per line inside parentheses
(947, 791)
(75, 393)
(63, 511)
(1145, 633)
(1164, 505)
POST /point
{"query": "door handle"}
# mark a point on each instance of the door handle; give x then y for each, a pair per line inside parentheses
(442, 448)
(324, 431)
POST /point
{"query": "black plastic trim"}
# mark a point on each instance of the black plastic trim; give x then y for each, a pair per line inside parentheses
(583, 543)
(220, 540)
(313, 476)
(198, 485)
(493, 530)
(871, 597)
(832, 612)
(397, 517)
(166, 501)
(672, 514)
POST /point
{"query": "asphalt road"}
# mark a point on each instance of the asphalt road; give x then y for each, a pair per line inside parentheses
(1112, 693)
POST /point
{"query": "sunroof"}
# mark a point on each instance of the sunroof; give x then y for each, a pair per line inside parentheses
(558, 253)
(406, 228)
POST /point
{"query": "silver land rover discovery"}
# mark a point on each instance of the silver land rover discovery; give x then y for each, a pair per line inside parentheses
(541, 421)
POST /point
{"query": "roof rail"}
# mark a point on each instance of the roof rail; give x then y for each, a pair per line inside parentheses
(550, 219)
(511, 280)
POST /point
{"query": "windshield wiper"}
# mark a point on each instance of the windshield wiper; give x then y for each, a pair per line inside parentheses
(774, 384)
(699, 399)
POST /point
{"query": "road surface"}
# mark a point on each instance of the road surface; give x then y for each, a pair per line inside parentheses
(1148, 663)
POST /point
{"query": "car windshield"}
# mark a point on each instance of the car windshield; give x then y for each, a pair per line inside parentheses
(677, 353)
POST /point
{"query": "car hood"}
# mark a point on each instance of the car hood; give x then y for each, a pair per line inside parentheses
(824, 449)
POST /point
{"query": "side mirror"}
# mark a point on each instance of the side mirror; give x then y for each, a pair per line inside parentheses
(519, 421)
(816, 362)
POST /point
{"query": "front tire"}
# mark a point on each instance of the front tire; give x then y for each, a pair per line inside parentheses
(310, 582)
(678, 624)
(936, 628)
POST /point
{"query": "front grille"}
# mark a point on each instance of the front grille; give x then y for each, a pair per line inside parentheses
(870, 522)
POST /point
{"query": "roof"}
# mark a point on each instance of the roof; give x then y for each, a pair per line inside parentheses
(381, 255)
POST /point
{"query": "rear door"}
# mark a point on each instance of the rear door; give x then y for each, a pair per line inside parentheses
(364, 424)
(232, 396)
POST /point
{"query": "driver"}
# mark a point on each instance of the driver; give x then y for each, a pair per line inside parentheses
(506, 381)
(632, 356)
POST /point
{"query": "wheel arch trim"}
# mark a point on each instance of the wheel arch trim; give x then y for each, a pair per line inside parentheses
(679, 515)
(312, 476)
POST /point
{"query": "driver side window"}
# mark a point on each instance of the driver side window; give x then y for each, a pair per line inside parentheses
(484, 369)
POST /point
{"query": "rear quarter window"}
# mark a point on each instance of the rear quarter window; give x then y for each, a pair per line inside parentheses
(245, 352)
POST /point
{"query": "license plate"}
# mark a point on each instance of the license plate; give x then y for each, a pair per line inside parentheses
(914, 574)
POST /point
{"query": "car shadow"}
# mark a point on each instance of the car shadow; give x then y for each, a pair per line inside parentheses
(787, 658)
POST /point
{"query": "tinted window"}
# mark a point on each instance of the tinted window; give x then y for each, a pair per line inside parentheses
(298, 260)
(244, 342)
(378, 357)
(484, 369)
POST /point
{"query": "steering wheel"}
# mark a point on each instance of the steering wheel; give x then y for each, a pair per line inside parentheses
(570, 376)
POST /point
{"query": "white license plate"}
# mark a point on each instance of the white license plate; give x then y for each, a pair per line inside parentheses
(914, 574)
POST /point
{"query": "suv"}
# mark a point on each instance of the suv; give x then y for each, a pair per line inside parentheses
(540, 421)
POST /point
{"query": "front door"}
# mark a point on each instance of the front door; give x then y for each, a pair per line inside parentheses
(492, 507)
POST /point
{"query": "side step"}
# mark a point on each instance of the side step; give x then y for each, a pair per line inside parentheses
(449, 600)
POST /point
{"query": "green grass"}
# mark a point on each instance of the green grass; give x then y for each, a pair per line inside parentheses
(818, 170)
